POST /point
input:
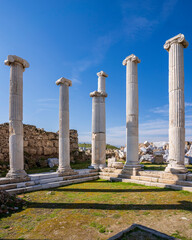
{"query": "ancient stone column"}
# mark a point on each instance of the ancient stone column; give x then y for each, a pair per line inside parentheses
(175, 47)
(98, 123)
(64, 141)
(16, 155)
(132, 163)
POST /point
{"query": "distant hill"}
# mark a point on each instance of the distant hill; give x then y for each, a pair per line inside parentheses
(88, 145)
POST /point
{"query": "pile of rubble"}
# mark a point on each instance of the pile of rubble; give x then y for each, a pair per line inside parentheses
(9, 203)
(156, 152)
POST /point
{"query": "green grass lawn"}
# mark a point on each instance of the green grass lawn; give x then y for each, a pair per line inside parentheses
(48, 169)
(98, 210)
(160, 167)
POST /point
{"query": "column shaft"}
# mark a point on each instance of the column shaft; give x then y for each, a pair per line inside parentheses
(132, 163)
(64, 141)
(132, 114)
(98, 132)
(64, 147)
(98, 123)
(176, 105)
(16, 117)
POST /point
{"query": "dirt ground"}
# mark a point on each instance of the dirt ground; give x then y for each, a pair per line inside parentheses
(99, 210)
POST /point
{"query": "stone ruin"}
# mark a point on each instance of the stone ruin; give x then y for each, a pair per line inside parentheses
(175, 175)
(39, 145)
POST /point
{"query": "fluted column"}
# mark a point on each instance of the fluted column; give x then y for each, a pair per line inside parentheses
(132, 164)
(175, 47)
(64, 141)
(16, 155)
(98, 123)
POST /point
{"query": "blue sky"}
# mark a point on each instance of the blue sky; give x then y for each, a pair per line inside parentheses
(78, 38)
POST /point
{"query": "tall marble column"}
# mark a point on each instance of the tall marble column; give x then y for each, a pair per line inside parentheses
(16, 155)
(64, 141)
(175, 47)
(98, 123)
(132, 163)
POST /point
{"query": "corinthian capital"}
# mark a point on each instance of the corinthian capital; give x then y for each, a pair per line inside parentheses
(179, 39)
(131, 58)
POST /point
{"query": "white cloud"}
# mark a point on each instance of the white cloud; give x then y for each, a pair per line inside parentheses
(46, 104)
(161, 110)
(46, 100)
(138, 20)
(188, 104)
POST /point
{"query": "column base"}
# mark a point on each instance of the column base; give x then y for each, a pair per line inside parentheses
(18, 174)
(131, 169)
(66, 171)
(175, 168)
(97, 166)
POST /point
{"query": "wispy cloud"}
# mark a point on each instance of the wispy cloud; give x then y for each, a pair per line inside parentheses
(97, 53)
(161, 110)
(46, 104)
(167, 8)
(188, 104)
(46, 100)
(139, 19)
(136, 25)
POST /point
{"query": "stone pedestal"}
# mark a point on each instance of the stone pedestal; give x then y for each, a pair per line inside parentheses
(98, 123)
(175, 47)
(64, 141)
(132, 164)
(16, 155)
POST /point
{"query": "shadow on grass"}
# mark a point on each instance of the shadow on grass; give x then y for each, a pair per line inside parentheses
(182, 205)
(110, 190)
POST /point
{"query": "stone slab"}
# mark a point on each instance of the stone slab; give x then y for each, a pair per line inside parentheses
(12, 180)
(146, 183)
(51, 185)
(37, 176)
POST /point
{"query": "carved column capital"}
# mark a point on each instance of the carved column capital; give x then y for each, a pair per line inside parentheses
(102, 74)
(131, 58)
(98, 94)
(15, 59)
(178, 39)
(64, 81)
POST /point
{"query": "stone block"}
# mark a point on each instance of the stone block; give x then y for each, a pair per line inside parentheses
(25, 143)
(5, 150)
(47, 151)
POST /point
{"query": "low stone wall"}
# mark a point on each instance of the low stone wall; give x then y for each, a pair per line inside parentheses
(39, 145)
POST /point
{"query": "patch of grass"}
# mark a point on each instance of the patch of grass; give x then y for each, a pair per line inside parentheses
(81, 165)
(98, 214)
(116, 216)
(87, 145)
(146, 213)
(155, 167)
(99, 227)
(177, 235)
(6, 227)
(184, 193)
